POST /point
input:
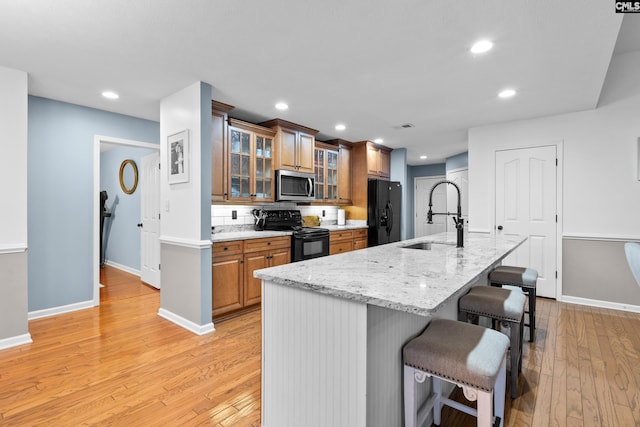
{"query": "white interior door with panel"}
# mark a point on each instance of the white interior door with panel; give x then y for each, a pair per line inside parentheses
(526, 205)
(461, 178)
(150, 212)
(422, 187)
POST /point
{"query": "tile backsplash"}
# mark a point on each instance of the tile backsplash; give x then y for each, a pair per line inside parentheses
(222, 216)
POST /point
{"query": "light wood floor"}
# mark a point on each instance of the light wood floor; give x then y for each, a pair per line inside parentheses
(120, 364)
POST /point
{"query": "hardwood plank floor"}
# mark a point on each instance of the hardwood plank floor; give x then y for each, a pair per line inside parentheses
(121, 364)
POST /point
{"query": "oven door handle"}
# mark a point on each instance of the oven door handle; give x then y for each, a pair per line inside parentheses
(313, 237)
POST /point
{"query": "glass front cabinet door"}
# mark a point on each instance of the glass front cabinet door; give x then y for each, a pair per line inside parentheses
(250, 162)
(326, 171)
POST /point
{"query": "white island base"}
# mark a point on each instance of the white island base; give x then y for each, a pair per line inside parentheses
(328, 361)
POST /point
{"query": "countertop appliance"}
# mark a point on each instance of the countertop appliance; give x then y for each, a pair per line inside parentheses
(295, 186)
(306, 242)
(383, 213)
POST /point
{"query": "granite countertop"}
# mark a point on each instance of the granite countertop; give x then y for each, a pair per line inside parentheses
(244, 235)
(226, 236)
(409, 280)
(335, 227)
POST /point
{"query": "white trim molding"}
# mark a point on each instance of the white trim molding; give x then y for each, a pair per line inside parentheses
(187, 243)
(123, 268)
(47, 312)
(186, 323)
(13, 248)
(601, 304)
(602, 237)
(15, 341)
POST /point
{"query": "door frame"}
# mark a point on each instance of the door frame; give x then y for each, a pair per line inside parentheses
(97, 141)
(559, 197)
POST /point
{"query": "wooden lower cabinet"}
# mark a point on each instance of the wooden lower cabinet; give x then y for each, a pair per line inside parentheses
(347, 240)
(235, 290)
(227, 273)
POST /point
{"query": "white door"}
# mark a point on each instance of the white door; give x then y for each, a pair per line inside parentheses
(526, 206)
(422, 188)
(461, 178)
(150, 212)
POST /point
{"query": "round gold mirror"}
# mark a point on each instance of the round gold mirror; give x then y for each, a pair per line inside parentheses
(128, 176)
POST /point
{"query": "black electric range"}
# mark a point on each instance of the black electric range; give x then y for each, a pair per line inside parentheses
(306, 242)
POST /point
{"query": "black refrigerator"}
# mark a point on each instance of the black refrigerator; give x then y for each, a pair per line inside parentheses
(383, 212)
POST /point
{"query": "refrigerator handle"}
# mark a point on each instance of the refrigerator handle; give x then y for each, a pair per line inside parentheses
(390, 217)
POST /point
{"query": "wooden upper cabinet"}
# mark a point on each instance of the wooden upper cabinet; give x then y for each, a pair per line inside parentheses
(294, 145)
(250, 159)
(219, 116)
(344, 174)
(384, 163)
(326, 172)
(378, 161)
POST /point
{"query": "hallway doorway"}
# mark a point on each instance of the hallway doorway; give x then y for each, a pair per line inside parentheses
(101, 144)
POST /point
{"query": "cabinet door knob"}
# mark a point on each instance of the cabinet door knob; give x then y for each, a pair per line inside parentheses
(140, 225)
(499, 227)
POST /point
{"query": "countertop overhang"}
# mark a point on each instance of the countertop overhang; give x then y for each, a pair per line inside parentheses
(410, 280)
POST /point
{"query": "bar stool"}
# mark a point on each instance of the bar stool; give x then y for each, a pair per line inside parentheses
(500, 305)
(470, 356)
(524, 278)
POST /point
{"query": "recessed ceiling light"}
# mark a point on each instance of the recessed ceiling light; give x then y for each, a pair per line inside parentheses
(110, 94)
(507, 93)
(378, 140)
(340, 127)
(481, 46)
(423, 157)
(282, 106)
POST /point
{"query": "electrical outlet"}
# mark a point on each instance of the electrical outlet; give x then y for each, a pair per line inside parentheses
(234, 214)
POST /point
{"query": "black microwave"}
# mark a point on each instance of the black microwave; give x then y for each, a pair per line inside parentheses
(295, 186)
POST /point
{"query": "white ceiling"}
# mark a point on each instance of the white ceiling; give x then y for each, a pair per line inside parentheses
(372, 65)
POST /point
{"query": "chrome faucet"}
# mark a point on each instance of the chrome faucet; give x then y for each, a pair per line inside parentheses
(457, 219)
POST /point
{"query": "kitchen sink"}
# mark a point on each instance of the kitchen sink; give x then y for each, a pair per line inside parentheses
(425, 246)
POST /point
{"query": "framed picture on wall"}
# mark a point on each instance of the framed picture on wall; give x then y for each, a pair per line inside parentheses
(178, 157)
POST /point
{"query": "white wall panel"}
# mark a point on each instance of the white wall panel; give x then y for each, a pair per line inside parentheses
(313, 359)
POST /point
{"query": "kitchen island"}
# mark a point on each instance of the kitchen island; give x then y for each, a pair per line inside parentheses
(334, 327)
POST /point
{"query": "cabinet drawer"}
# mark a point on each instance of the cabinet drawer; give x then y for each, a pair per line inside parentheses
(267, 243)
(359, 233)
(359, 244)
(338, 248)
(340, 235)
(232, 247)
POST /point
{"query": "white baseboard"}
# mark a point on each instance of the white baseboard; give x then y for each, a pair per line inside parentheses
(47, 312)
(15, 341)
(600, 304)
(185, 323)
(123, 268)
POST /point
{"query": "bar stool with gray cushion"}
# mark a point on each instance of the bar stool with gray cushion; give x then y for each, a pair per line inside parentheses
(470, 356)
(524, 278)
(501, 305)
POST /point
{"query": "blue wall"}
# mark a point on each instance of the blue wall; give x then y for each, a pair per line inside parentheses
(459, 161)
(121, 233)
(60, 186)
(399, 172)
